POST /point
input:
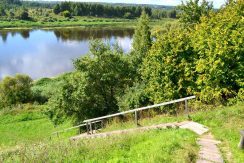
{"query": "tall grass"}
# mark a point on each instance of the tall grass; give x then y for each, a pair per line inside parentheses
(19, 127)
(153, 146)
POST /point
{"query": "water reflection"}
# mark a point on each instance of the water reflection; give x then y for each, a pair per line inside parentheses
(46, 53)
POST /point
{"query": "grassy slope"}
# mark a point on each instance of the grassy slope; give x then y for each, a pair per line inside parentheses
(225, 124)
(152, 146)
(27, 127)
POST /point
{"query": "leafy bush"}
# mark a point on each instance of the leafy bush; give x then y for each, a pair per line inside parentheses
(24, 15)
(15, 90)
(66, 14)
(205, 59)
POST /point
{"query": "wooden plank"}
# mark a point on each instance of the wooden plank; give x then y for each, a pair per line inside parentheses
(142, 108)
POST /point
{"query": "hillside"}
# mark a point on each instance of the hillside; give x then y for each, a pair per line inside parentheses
(224, 122)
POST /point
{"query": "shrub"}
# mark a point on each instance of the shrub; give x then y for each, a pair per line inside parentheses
(66, 14)
(24, 15)
(15, 90)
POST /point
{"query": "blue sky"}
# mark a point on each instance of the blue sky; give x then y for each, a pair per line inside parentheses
(217, 3)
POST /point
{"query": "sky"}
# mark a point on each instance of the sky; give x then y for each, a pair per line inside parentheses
(217, 3)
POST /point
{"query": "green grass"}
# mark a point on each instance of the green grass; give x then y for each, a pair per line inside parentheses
(225, 124)
(153, 146)
(19, 128)
(77, 21)
(24, 128)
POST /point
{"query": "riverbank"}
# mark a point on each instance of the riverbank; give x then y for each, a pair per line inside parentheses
(77, 22)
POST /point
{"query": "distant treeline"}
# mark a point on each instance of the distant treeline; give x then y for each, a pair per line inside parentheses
(15, 9)
(100, 10)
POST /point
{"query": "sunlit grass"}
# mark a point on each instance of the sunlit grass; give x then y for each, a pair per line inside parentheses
(153, 146)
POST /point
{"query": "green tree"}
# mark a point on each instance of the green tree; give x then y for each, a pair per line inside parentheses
(15, 90)
(56, 9)
(100, 78)
(24, 15)
(168, 69)
(2, 11)
(192, 10)
(141, 42)
(172, 14)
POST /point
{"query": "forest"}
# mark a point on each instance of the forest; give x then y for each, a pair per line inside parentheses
(16, 9)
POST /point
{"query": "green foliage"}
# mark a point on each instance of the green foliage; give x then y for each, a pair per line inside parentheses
(56, 9)
(15, 90)
(172, 14)
(205, 59)
(141, 42)
(192, 11)
(218, 43)
(134, 97)
(101, 10)
(2, 11)
(66, 14)
(127, 15)
(24, 15)
(92, 90)
(43, 89)
(168, 69)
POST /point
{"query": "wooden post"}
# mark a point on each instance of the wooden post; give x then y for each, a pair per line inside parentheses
(136, 118)
(241, 144)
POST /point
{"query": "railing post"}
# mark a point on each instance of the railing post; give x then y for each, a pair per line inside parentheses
(87, 128)
(186, 108)
(80, 130)
(91, 132)
(95, 127)
(136, 118)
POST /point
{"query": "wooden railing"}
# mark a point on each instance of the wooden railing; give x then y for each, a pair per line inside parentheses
(88, 123)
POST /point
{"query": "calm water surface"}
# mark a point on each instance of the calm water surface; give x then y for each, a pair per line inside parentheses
(47, 53)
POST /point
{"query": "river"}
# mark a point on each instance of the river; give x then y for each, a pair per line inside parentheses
(48, 52)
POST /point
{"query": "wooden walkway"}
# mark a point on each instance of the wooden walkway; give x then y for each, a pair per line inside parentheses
(209, 152)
